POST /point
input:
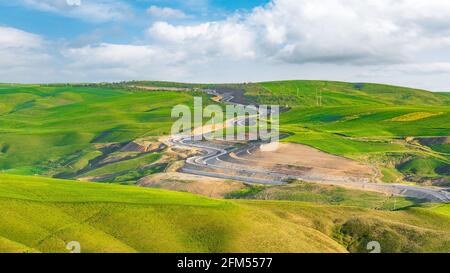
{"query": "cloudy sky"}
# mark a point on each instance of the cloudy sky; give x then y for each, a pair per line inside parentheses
(404, 42)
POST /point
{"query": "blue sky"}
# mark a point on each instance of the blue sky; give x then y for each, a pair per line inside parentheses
(57, 25)
(396, 42)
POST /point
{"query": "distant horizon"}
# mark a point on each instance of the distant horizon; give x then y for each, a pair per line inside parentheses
(223, 83)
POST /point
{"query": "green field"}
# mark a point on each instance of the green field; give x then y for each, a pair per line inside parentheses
(367, 122)
(48, 130)
(43, 215)
(82, 131)
(306, 93)
(324, 195)
(58, 130)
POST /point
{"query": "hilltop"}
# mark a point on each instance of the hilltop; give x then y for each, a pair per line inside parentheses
(330, 93)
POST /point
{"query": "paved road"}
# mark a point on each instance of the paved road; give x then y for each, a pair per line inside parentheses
(216, 162)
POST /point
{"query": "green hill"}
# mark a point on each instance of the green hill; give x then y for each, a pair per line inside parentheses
(368, 122)
(53, 129)
(61, 130)
(306, 93)
(43, 215)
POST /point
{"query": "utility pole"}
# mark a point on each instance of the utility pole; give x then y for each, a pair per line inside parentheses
(319, 97)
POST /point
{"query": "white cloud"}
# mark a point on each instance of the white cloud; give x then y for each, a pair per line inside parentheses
(350, 40)
(120, 55)
(21, 54)
(362, 35)
(208, 40)
(16, 38)
(166, 13)
(328, 31)
(116, 61)
(423, 68)
(73, 2)
(88, 10)
(351, 31)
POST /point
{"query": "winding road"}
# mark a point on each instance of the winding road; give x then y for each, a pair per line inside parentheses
(216, 161)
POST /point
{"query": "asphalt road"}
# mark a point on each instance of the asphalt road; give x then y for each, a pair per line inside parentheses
(215, 162)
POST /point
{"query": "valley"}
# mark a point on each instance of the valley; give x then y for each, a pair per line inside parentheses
(351, 156)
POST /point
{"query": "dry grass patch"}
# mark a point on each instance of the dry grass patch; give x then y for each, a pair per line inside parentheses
(416, 116)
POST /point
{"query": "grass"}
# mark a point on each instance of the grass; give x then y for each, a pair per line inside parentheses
(409, 230)
(324, 195)
(54, 129)
(371, 121)
(391, 175)
(121, 166)
(43, 215)
(306, 93)
(339, 145)
(248, 192)
(415, 116)
(363, 121)
(423, 167)
(41, 126)
(442, 209)
(443, 148)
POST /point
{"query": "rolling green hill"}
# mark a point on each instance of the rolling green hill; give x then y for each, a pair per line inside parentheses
(54, 129)
(61, 130)
(76, 131)
(368, 122)
(306, 93)
(43, 215)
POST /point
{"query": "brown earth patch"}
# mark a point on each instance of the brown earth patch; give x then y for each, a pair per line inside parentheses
(296, 158)
(207, 186)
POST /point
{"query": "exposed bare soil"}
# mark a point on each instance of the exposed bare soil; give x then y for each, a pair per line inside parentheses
(299, 159)
(207, 186)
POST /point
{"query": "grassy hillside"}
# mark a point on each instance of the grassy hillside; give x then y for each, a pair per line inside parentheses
(324, 195)
(369, 122)
(306, 93)
(43, 215)
(64, 130)
(99, 132)
(52, 129)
